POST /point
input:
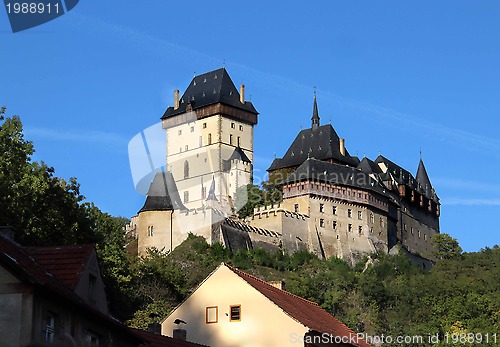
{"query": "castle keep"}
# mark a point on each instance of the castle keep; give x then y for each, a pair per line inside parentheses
(334, 204)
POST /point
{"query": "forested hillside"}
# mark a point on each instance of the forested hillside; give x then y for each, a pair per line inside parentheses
(385, 295)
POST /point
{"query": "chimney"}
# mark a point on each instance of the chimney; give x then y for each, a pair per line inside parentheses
(176, 99)
(154, 328)
(277, 284)
(342, 147)
(242, 93)
(179, 334)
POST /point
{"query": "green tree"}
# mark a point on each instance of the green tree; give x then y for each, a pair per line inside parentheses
(446, 247)
(247, 198)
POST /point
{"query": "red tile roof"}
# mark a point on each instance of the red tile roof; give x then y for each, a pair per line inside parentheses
(155, 340)
(65, 262)
(304, 311)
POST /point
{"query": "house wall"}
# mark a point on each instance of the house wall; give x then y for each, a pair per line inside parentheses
(262, 323)
(16, 307)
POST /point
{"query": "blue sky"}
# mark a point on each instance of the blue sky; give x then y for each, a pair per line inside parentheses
(393, 77)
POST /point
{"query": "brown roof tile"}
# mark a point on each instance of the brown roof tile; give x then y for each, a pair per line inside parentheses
(304, 311)
(65, 262)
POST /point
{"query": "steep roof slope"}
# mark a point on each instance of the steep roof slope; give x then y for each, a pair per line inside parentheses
(162, 194)
(304, 311)
(320, 143)
(67, 263)
(210, 88)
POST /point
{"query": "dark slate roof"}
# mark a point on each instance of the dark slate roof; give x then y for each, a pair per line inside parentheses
(210, 88)
(67, 263)
(424, 182)
(306, 312)
(401, 175)
(368, 166)
(336, 174)
(239, 155)
(322, 143)
(162, 194)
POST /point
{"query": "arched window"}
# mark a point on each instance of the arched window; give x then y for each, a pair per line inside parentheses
(186, 169)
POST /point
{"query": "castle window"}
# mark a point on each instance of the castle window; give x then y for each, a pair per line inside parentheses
(411, 230)
(360, 215)
(235, 313)
(404, 227)
(425, 237)
(180, 149)
(192, 129)
(204, 125)
(232, 126)
(186, 169)
(349, 228)
(334, 210)
(372, 218)
(334, 224)
(231, 139)
(211, 314)
(381, 222)
(150, 230)
(360, 229)
(321, 208)
(241, 127)
(371, 230)
(296, 208)
(322, 223)
(201, 141)
(209, 139)
(186, 147)
(186, 196)
(349, 213)
(179, 132)
(418, 233)
(239, 141)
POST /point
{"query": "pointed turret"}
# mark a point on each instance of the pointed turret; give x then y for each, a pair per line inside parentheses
(315, 116)
(423, 178)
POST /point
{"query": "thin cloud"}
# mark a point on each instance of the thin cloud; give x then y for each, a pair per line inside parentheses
(91, 136)
(412, 124)
(470, 202)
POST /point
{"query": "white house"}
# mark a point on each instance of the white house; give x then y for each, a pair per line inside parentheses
(232, 308)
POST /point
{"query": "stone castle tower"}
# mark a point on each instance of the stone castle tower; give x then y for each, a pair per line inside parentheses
(210, 140)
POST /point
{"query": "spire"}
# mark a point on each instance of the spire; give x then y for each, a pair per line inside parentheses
(315, 116)
(423, 178)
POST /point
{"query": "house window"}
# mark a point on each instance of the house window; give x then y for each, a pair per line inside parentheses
(321, 208)
(49, 326)
(186, 169)
(204, 125)
(209, 139)
(334, 210)
(211, 314)
(92, 286)
(93, 339)
(241, 127)
(322, 223)
(296, 208)
(360, 215)
(235, 313)
(334, 224)
(186, 196)
(349, 213)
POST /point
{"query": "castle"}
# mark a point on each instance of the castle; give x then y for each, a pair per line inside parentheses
(333, 204)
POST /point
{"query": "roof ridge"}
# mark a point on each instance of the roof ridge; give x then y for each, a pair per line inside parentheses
(238, 272)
